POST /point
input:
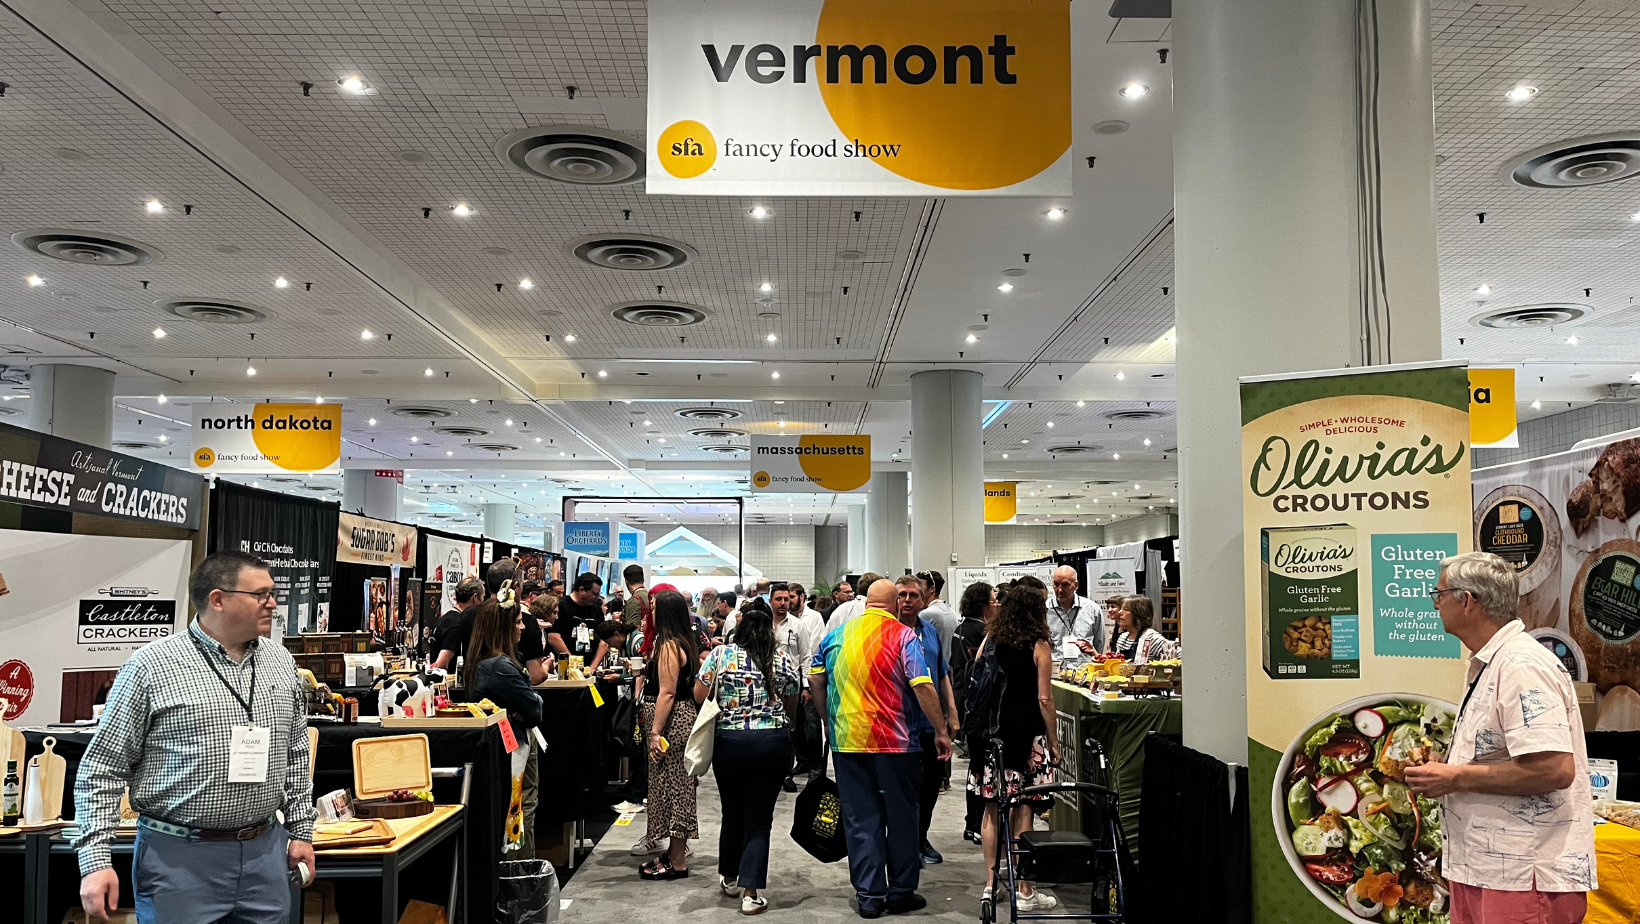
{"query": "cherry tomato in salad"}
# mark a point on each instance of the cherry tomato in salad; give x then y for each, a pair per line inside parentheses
(1349, 747)
(1333, 869)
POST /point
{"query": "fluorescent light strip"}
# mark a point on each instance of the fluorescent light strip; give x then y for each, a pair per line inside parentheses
(995, 413)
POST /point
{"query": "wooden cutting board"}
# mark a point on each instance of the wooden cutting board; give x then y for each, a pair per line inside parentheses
(47, 770)
(382, 765)
(360, 832)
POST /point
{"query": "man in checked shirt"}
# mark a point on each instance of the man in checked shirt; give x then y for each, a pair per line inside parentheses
(208, 730)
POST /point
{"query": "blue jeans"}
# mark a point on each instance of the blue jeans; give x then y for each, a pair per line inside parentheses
(749, 765)
(878, 792)
(182, 881)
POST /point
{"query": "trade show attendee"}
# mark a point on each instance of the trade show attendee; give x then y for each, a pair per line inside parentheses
(611, 635)
(532, 651)
(555, 588)
(206, 731)
(756, 685)
(1030, 746)
(751, 603)
(1517, 774)
(545, 612)
(855, 605)
(578, 614)
(843, 592)
(1073, 618)
(615, 604)
(936, 610)
(637, 599)
(1113, 605)
(708, 603)
(495, 672)
(668, 715)
(529, 592)
(796, 639)
(869, 680)
(1135, 639)
(761, 589)
(726, 611)
(979, 607)
(909, 591)
(455, 627)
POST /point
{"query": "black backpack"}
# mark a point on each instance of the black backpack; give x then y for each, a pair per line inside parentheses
(986, 685)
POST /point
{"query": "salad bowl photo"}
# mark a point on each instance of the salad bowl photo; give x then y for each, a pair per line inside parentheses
(1352, 831)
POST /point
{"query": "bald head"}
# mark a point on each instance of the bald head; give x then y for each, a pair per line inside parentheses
(880, 596)
(1064, 585)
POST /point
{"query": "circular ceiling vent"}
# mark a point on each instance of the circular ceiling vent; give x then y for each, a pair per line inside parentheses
(717, 433)
(213, 310)
(131, 444)
(708, 413)
(86, 247)
(658, 314)
(461, 431)
(1588, 161)
(421, 413)
(1075, 449)
(636, 252)
(1547, 314)
(723, 449)
(1136, 413)
(493, 447)
(286, 479)
(576, 154)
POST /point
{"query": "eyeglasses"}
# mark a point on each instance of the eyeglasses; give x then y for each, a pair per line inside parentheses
(1435, 593)
(262, 596)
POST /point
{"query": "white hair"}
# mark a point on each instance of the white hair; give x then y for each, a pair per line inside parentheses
(1489, 579)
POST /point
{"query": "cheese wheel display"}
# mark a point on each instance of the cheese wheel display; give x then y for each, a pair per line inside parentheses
(1605, 614)
(1519, 525)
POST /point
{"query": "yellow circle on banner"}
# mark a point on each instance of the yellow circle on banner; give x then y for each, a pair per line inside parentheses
(847, 466)
(687, 149)
(958, 134)
(761, 479)
(204, 457)
(299, 437)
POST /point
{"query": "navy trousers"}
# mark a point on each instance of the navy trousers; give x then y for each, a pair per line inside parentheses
(879, 794)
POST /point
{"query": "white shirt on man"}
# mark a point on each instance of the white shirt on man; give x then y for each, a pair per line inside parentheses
(844, 612)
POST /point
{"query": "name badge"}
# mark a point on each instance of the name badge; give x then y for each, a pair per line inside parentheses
(248, 754)
(582, 635)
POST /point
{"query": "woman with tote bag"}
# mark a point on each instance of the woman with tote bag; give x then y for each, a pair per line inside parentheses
(755, 687)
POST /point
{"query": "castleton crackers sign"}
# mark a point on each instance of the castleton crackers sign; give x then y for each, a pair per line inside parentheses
(859, 97)
(811, 464)
(267, 437)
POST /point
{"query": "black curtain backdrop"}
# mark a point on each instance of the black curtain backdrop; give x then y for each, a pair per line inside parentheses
(1191, 823)
(295, 535)
(1623, 747)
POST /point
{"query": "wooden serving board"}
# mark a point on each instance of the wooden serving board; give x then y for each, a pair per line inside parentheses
(51, 769)
(374, 832)
(384, 808)
(382, 765)
(438, 721)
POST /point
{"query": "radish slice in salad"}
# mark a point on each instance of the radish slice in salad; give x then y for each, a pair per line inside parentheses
(1339, 794)
(1370, 722)
(1359, 906)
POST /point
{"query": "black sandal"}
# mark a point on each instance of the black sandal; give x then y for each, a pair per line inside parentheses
(660, 869)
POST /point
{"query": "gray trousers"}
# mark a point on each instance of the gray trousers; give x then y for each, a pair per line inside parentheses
(182, 881)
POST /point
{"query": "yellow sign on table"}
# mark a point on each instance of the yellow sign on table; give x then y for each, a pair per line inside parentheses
(1617, 859)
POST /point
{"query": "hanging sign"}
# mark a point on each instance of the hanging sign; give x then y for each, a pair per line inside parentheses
(958, 579)
(811, 464)
(267, 437)
(1111, 577)
(1001, 501)
(374, 542)
(48, 471)
(859, 98)
(1492, 423)
(1355, 486)
(589, 537)
(450, 561)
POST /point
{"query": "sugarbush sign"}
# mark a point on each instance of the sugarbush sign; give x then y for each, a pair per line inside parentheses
(47, 471)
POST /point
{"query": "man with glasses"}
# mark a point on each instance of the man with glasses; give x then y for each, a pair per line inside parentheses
(208, 732)
(1075, 625)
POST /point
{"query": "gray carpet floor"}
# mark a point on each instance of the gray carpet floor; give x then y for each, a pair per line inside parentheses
(606, 888)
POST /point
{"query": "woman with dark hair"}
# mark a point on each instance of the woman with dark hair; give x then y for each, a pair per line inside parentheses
(977, 606)
(1018, 630)
(1135, 639)
(756, 686)
(493, 673)
(669, 712)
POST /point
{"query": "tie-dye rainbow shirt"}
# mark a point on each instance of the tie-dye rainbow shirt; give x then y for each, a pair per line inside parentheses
(871, 663)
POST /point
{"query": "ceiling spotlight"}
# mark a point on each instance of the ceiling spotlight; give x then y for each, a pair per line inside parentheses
(771, 338)
(1056, 213)
(472, 400)
(461, 210)
(372, 421)
(1520, 94)
(1006, 287)
(1537, 405)
(366, 334)
(561, 452)
(162, 399)
(538, 439)
(1572, 340)
(1116, 455)
(354, 85)
(1024, 441)
(415, 439)
(1120, 376)
(317, 399)
(603, 373)
(250, 370)
(765, 288)
(783, 423)
(774, 375)
(647, 423)
(1135, 487)
(509, 421)
(1635, 217)
(1136, 90)
(281, 283)
(449, 452)
(758, 211)
(525, 283)
(159, 333)
(569, 338)
(164, 439)
(1483, 290)
(1147, 441)
(1005, 455)
(155, 206)
(36, 281)
(428, 372)
(1050, 424)
(1081, 404)
(970, 339)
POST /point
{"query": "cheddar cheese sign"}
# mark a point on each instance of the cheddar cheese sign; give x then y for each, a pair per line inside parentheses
(859, 97)
(811, 464)
(267, 437)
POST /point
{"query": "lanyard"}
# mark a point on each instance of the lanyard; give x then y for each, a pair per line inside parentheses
(1070, 626)
(244, 703)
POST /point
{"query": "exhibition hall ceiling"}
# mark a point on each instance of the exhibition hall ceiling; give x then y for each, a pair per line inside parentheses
(491, 294)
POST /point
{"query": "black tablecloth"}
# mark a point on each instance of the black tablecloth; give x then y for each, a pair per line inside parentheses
(572, 769)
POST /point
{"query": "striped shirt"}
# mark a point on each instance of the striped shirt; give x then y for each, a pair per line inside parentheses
(871, 664)
(165, 734)
(1152, 646)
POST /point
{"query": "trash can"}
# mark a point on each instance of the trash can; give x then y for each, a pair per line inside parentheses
(527, 894)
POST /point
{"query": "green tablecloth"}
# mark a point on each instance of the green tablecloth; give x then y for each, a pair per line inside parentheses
(1120, 725)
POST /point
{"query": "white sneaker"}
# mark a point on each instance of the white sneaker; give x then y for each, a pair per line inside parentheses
(731, 889)
(647, 847)
(750, 905)
(1036, 901)
(626, 808)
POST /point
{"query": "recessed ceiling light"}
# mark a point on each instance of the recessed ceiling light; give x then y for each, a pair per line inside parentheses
(1024, 441)
(428, 372)
(783, 423)
(1635, 217)
(603, 373)
(461, 210)
(281, 283)
(1005, 287)
(1005, 455)
(162, 399)
(449, 452)
(250, 370)
(569, 338)
(1572, 340)
(1081, 404)
(372, 421)
(159, 333)
(354, 84)
(525, 283)
(774, 375)
(415, 439)
(1050, 424)
(1056, 213)
(1133, 91)
(1520, 94)
(538, 439)
(1483, 289)
(1147, 441)
(1537, 405)
(971, 339)
(366, 334)
(561, 452)
(1135, 487)
(765, 288)
(317, 399)
(155, 206)
(772, 338)
(509, 422)
(1120, 376)
(36, 281)
(758, 211)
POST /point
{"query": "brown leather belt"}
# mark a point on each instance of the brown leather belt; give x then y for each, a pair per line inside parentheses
(247, 833)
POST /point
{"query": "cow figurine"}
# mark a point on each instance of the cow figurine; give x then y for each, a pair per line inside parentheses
(407, 696)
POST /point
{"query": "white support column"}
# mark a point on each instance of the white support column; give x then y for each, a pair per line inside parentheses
(500, 521)
(947, 470)
(886, 541)
(364, 492)
(1270, 245)
(73, 402)
(856, 537)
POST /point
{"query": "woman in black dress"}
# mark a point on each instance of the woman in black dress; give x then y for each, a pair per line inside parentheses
(1030, 746)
